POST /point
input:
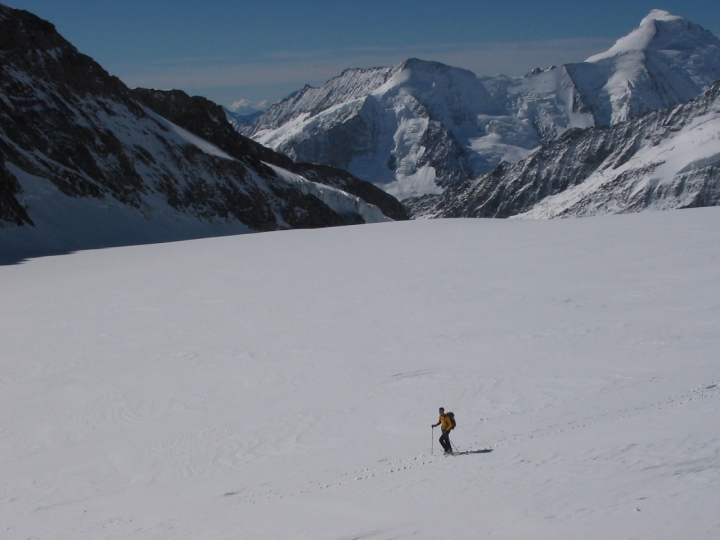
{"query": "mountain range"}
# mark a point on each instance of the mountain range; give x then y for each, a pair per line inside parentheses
(421, 129)
(660, 160)
(87, 162)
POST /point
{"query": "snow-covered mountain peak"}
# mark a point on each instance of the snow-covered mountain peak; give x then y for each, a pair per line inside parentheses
(389, 115)
(660, 15)
(420, 66)
(437, 74)
(664, 61)
(420, 126)
(660, 30)
(349, 86)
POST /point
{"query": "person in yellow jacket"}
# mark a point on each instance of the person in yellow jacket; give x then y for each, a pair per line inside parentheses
(446, 424)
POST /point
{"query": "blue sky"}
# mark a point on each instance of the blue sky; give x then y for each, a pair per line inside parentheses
(262, 50)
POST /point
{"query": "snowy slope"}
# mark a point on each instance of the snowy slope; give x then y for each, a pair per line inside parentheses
(420, 127)
(681, 170)
(281, 385)
(339, 201)
(661, 160)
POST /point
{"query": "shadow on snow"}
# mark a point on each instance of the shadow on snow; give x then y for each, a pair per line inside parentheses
(468, 452)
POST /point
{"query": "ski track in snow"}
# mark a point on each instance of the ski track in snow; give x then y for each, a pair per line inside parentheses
(281, 385)
(375, 472)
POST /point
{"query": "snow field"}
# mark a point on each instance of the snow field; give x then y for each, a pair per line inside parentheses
(282, 385)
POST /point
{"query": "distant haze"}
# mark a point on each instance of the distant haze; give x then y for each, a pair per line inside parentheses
(274, 76)
(229, 51)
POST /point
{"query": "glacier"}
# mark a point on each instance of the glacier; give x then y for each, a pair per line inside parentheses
(281, 384)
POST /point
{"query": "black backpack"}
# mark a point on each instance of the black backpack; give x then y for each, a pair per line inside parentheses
(452, 419)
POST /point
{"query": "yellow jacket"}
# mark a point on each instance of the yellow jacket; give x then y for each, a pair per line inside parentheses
(445, 422)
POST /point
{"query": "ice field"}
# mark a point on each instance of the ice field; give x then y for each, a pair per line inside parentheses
(282, 385)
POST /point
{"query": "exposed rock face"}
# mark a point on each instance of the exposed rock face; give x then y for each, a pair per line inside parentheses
(72, 133)
(419, 128)
(660, 160)
(208, 120)
(387, 125)
(11, 211)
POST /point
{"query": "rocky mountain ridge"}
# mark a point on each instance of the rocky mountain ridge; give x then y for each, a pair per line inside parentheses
(208, 120)
(87, 162)
(660, 160)
(420, 128)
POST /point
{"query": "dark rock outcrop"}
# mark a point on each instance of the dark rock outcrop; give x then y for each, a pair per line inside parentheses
(66, 121)
(208, 120)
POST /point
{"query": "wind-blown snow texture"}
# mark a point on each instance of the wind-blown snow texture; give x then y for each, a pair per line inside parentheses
(282, 385)
(421, 127)
(86, 162)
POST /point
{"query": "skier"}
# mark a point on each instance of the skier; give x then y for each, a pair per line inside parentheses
(446, 424)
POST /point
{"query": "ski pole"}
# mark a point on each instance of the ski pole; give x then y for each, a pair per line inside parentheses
(432, 441)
